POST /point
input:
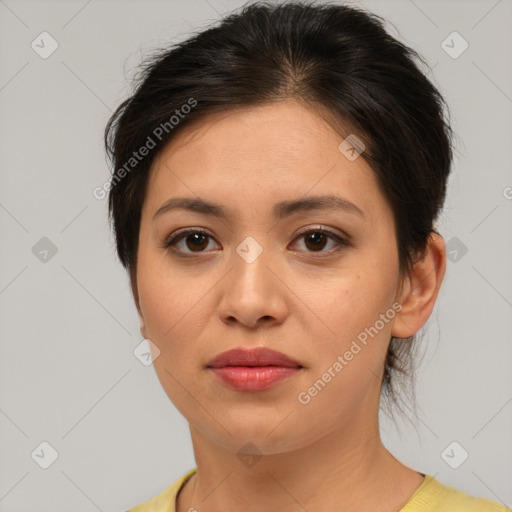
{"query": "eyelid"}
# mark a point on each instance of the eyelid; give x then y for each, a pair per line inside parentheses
(324, 229)
(187, 231)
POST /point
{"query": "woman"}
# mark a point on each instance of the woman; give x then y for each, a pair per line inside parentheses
(276, 183)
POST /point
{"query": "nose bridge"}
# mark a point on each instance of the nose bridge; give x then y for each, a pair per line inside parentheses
(252, 292)
(251, 261)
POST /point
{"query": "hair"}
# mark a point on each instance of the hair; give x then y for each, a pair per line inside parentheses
(336, 59)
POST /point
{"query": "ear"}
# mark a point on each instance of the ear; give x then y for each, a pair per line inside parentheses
(420, 289)
(135, 293)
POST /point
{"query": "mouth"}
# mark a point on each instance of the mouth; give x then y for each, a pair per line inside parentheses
(254, 370)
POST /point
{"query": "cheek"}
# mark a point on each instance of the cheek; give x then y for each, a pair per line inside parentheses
(175, 310)
(355, 298)
(348, 365)
(167, 298)
(357, 305)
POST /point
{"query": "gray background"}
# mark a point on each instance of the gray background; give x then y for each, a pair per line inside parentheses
(68, 327)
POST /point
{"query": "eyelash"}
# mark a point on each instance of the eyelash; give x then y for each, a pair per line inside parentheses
(180, 235)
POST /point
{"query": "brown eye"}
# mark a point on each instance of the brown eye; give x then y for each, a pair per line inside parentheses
(189, 241)
(315, 240)
(196, 241)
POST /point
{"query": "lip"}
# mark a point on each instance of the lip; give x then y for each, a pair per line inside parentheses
(258, 356)
(254, 369)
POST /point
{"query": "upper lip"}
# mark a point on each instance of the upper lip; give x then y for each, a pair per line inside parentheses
(259, 356)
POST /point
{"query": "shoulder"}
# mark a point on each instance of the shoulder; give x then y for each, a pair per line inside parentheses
(433, 496)
(166, 500)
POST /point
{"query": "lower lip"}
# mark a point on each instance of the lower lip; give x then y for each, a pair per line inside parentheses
(256, 378)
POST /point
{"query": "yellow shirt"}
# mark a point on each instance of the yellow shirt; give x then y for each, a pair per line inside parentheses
(431, 496)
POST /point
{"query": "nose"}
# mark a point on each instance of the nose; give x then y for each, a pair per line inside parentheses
(252, 292)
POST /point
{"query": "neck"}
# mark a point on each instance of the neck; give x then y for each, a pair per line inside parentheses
(346, 470)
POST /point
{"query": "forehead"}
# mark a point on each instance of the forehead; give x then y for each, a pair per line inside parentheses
(273, 151)
(273, 131)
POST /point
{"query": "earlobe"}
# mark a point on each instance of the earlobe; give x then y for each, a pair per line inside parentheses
(421, 289)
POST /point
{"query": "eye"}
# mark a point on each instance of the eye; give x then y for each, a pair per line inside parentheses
(193, 239)
(315, 240)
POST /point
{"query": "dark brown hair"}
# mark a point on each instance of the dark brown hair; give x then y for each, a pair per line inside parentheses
(334, 58)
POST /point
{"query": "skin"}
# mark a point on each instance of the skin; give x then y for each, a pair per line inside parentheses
(310, 303)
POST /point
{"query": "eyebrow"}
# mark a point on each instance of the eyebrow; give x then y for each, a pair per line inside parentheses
(280, 210)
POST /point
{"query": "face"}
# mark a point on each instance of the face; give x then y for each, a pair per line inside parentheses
(318, 284)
